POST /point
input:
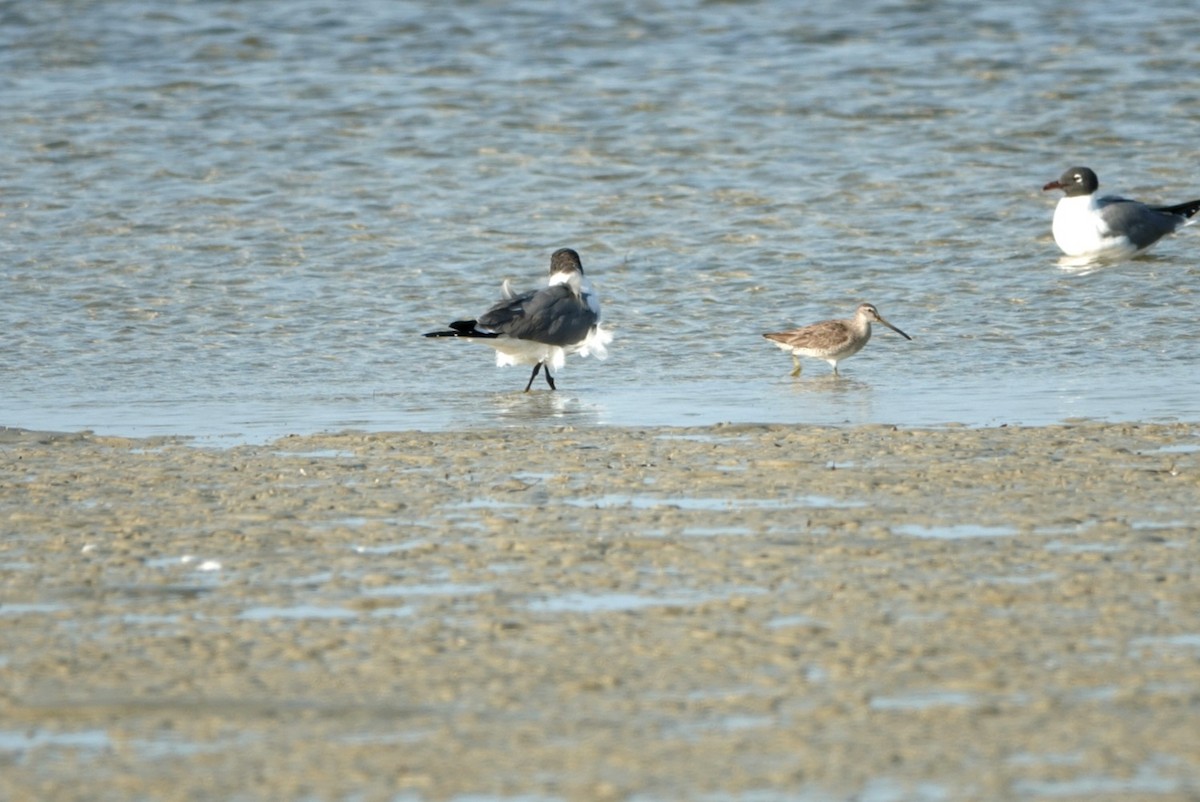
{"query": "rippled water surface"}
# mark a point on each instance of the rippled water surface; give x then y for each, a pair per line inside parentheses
(234, 220)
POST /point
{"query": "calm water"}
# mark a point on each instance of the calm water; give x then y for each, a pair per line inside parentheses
(234, 220)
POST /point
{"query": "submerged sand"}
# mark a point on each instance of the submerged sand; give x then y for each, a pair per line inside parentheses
(737, 612)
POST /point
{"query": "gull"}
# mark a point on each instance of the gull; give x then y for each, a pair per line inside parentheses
(541, 327)
(831, 340)
(1092, 226)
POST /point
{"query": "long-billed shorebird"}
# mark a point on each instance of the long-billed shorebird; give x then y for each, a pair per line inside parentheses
(541, 327)
(831, 340)
(1088, 225)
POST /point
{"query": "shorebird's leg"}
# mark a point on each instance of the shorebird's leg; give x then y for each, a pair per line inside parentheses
(533, 375)
(796, 366)
(550, 379)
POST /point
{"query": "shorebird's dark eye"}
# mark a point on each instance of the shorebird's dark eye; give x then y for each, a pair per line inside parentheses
(1077, 177)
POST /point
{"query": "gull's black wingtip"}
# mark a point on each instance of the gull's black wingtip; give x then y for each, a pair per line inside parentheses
(1182, 209)
(464, 328)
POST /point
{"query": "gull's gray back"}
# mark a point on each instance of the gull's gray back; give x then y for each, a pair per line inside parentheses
(553, 316)
(1144, 226)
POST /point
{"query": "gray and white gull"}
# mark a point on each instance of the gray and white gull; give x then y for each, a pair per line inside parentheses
(1088, 225)
(541, 327)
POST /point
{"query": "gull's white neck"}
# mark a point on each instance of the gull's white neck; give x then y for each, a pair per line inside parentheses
(1077, 228)
(572, 280)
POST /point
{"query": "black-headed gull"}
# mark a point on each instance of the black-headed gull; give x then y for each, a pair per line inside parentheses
(541, 327)
(1092, 226)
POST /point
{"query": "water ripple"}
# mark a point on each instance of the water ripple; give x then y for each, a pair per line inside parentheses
(224, 220)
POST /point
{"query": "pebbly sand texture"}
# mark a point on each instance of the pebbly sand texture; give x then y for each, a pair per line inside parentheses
(738, 612)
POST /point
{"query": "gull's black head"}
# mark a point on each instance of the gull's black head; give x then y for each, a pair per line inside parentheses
(1075, 181)
(566, 262)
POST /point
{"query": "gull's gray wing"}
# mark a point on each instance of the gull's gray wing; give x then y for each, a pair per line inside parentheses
(1144, 226)
(554, 316)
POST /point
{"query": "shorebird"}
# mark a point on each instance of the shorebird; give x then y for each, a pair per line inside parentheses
(831, 340)
(1088, 225)
(541, 327)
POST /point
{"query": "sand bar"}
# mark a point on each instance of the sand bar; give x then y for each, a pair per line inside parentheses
(730, 612)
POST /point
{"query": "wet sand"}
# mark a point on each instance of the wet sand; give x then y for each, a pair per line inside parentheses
(737, 612)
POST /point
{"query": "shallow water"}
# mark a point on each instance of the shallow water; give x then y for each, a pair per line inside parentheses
(234, 221)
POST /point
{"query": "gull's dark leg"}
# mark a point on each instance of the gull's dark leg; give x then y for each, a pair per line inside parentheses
(533, 375)
(550, 379)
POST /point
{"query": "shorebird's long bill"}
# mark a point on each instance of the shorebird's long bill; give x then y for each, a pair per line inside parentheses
(893, 328)
(1052, 185)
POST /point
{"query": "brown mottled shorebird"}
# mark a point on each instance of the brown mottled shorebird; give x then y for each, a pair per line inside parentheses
(831, 340)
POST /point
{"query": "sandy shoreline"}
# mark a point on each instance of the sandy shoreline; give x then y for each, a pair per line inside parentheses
(654, 614)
